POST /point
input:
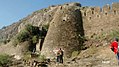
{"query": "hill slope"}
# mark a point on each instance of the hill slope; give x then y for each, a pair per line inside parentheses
(71, 27)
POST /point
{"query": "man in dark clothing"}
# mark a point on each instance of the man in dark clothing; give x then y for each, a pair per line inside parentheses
(61, 55)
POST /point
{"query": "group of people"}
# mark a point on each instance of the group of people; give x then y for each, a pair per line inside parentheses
(115, 48)
(59, 56)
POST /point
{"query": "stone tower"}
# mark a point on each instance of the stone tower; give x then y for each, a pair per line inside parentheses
(65, 31)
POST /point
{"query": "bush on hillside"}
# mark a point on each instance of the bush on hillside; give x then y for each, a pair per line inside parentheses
(28, 33)
(32, 30)
(23, 36)
(114, 34)
(4, 60)
(35, 39)
(15, 42)
(75, 53)
(41, 58)
(27, 56)
(108, 36)
(46, 27)
(32, 34)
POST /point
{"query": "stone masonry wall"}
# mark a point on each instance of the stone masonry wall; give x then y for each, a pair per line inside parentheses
(64, 32)
(98, 20)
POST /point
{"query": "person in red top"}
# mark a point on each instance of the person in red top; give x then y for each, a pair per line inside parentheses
(114, 47)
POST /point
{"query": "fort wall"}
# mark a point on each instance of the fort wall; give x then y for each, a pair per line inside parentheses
(99, 20)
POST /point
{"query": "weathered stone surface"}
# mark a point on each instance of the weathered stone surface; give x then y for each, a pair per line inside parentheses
(106, 8)
(64, 32)
(115, 8)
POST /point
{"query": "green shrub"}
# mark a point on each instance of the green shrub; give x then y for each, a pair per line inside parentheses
(42, 10)
(35, 39)
(15, 42)
(33, 30)
(114, 33)
(111, 35)
(100, 36)
(27, 56)
(28, 33)
(75, 53)
(46, 27)
(42, 58)
(4, 60)
(23, 36)
(32, 34)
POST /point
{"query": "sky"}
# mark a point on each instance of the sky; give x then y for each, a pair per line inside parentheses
(13, 10)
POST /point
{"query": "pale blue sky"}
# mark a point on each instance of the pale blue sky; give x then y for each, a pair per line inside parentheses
(13, 10)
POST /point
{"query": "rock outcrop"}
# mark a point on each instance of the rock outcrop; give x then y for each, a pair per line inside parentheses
(6, 33)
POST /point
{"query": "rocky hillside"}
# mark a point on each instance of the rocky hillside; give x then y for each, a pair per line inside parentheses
(9, 31)
(69, 14)
(73, 28)
(38, 18)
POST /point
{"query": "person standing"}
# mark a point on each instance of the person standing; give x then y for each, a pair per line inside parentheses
(58, 56)
(61, 55)
(114, 48)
